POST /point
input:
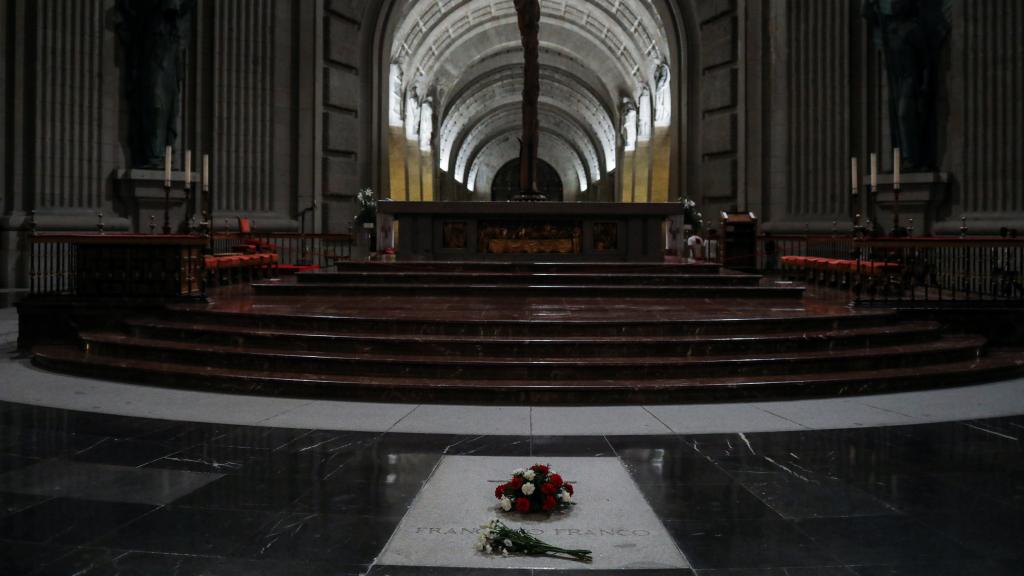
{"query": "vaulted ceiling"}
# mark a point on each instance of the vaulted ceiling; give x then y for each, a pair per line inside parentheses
(466, 57)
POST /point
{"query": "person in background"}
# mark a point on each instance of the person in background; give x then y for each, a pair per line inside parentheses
(695, 244)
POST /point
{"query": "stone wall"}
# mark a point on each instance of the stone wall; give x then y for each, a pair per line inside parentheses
(285, 98)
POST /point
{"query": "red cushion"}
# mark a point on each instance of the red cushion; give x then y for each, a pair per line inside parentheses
(244, 226)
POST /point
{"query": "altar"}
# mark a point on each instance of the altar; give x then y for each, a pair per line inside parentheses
(549, 231)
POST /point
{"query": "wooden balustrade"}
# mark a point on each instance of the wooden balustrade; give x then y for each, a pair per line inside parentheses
(116, 265)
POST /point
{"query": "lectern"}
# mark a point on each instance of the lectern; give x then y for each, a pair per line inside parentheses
(739, 241)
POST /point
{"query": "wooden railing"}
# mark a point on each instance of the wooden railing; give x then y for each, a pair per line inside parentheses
(116, 265)
(323, 250)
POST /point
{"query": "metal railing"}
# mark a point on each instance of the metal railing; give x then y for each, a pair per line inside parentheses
(293, 249)
(937, 269)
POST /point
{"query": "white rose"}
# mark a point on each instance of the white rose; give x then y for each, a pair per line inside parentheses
(504, 552)
(566, 497)
(528, 488)
(505, 504)
(529, 475)
(489, 549)
(518, 472)
(508, 543)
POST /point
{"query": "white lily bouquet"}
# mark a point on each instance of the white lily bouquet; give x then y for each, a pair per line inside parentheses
(497, 538)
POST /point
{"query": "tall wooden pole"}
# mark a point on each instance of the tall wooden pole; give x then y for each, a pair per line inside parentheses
(529, 29)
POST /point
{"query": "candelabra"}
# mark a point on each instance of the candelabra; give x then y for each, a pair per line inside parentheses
(99, 225)
(152, 224)
(963, 226)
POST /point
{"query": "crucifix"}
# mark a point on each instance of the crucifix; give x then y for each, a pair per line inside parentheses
(529, 29)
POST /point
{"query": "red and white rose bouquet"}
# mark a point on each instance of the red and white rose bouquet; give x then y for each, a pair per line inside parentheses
(537, 489)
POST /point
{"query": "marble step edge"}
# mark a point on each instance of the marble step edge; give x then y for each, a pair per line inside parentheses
(528, 327)
(478, 264)
(998, 366)
(579, 290)
(184, 327)
(943, 345)
(536, 277)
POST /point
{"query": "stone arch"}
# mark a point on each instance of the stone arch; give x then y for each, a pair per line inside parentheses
(673, 20)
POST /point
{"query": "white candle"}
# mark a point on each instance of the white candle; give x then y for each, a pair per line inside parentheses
(167, 167)
(188, 169)
(874, 171)
(206, 172)
(896, 159)
(853, 174)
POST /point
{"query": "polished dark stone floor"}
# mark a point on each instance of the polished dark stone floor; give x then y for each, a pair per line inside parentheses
(90, 495)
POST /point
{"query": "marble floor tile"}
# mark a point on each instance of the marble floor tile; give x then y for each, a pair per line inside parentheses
(341, 416)
(484, 420)
(70, 522)
(719, 418)
(595, 421)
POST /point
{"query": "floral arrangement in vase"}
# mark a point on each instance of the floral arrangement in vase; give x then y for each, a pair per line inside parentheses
(537, 489)
(691, 215)
(367, 200)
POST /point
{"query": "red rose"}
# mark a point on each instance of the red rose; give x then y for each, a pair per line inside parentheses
(499, 491)
(568, 488)
(556, 480)
(541, 469)
(548, 488)
(549, 503)
(522, 504)
(516, 483)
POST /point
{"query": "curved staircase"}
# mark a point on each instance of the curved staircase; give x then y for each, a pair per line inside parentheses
(529, 333)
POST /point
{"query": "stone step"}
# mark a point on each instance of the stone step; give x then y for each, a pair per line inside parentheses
(533, 267)
(71, 359)
(525, 279)
(431, 320)
(479, 369)
(404, 289)
(535, 347)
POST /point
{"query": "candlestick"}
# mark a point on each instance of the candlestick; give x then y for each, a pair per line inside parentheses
(896, 160)
(188, 170)
(167, 207)
(874, 171)
(167, 167)
(206, 172)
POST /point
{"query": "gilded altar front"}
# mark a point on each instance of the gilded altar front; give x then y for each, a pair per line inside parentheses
(501, 238)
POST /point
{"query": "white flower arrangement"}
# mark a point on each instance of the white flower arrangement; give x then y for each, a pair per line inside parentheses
(497, 538)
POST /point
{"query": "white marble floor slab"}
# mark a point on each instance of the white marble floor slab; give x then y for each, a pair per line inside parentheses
(611, 518)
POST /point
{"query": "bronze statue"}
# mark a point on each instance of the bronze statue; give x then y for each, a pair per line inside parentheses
(911, 34)
(529, 29)
(154, 34)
